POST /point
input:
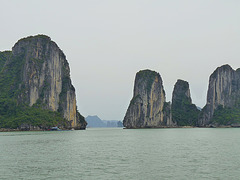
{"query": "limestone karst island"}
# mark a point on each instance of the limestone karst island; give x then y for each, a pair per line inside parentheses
(149, 109)
(36, 92)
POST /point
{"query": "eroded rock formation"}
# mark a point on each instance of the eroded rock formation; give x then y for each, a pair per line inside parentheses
(148, 107)
(223, 92)
(184, 113)
(44, 78)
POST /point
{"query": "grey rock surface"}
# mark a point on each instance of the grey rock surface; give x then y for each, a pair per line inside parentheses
(223, 89)
(46, 78)
(148, 107)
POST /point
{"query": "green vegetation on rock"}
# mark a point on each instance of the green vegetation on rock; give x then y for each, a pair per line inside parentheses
(226, 115)
(14, 113)
(3, 58)
(26, 86)
(148, 77)
(184, 113)
(10, 78)
(13, 116)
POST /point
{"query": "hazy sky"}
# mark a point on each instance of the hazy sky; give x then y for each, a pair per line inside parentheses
(107, 41)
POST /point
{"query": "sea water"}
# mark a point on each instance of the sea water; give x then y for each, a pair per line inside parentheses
(116, 153)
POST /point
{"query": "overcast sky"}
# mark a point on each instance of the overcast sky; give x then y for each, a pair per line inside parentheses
(107, 41)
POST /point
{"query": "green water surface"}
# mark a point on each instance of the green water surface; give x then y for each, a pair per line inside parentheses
(115, 153)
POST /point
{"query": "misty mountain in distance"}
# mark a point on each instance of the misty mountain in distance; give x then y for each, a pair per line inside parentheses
(95, 121)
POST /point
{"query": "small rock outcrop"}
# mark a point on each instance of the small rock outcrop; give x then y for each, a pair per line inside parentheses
(223, 97)
(184, 113)
(42, 79)
(148, 108)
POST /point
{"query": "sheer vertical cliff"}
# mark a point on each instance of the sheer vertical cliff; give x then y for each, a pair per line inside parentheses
(148, 107)
(184, 113)
(223, 97)
(43, 78)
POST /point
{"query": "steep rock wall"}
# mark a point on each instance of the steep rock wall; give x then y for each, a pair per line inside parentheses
(146, 108)
(184, 113)
(45, 77)
(223, 90)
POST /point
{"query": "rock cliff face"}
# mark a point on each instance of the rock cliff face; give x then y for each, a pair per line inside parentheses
(44, 78)
(184, 113)
(223, 91)
(148, 107)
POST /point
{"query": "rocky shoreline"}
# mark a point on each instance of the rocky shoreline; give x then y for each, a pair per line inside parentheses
(186, 127)
(21, 130)
(162, 127)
